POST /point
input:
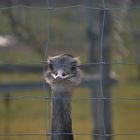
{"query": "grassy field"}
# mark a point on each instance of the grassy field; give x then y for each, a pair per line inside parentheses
(33, 115)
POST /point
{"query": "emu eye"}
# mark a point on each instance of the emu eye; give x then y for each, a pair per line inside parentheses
(73, 67)
(51, 67)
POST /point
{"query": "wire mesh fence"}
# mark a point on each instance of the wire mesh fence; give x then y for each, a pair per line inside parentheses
(52, 8)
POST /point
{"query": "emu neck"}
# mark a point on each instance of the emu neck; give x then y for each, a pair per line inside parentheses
(61, 114)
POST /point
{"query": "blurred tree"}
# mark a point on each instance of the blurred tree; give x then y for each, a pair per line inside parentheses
(20, 21)
(136, 35)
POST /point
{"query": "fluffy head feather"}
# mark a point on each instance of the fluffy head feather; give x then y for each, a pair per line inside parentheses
(63, 70)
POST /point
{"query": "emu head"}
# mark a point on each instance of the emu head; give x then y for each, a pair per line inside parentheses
(63, 70)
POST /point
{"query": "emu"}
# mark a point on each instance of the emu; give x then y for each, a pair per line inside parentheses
(63, 75)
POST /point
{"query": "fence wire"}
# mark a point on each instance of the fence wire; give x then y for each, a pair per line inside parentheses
(78, 134)
(118, 99)
(101, 63)
(70, 7)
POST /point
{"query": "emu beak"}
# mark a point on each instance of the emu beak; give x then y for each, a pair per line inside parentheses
(60, 75)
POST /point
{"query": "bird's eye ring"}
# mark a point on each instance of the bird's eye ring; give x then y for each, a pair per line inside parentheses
(73, 68)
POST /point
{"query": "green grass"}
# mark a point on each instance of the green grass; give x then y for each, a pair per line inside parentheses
(32, 116)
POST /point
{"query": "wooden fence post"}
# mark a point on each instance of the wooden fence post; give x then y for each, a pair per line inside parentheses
(101, 116)
(105, 72)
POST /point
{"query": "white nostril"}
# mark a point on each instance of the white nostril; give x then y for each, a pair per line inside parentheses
(60, 74)
(63, 74)
(56, 74)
